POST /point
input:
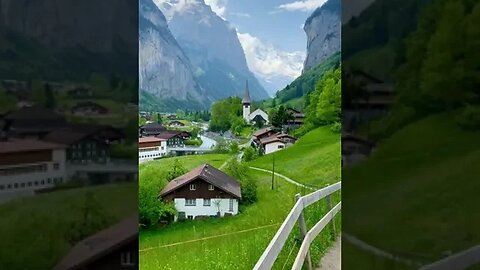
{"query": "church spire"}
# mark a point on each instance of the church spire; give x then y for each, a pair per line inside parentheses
(246, 97)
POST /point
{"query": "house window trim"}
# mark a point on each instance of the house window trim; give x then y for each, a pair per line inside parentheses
(230, 205)
(127, 259)
(190, 200)
(193, 187)
(205, 202)
(211, 187)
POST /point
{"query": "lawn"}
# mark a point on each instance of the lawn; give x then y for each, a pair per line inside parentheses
(314, 159)
(231, 242)
(33, 229)
(189, 162)
(425, 179)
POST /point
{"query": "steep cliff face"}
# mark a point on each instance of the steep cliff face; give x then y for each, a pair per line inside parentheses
(323, 33)
(212, 46)
(164, 70)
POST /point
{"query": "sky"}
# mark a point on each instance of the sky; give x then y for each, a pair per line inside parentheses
(271, 33)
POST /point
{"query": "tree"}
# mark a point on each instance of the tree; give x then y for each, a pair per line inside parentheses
(249, 154)
(176, 170)
(248, 185)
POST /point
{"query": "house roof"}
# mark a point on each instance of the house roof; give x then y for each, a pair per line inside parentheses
(283, 135)
(99, 244)
(149, 139)
(209, 174)
(65, 136)
(262, 131)
(34, 112)
(272, 139)
(167, 134)
(26, 145)
(153, 126)
(246, 96)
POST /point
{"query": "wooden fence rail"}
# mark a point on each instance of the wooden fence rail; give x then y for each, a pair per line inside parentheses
(270, 254)
(458, 261)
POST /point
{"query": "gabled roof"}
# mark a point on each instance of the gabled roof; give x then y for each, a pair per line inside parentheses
(262, 131)
(246, 96)
(154, 126)
(34, 112)
(26, 145)
(209, 174)
(168, 134)
(271, 139)
(100, 244)
(150, 139)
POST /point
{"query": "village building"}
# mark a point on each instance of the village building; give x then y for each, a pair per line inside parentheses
(152, 129)
(80, 91)
(203, 192)
(174, 138)
(263, 133)
(355, 149)
(176, 124)
(298, 118)
(258, 115)
(88, 108)
(27, 165)
(276, 142)
(113, 248)
(150, 148)
(33, 122)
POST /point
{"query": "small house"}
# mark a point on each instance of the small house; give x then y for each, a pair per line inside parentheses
(276, 142)
(152, 129)
(263, 133)
(176, 124)
(203, 192)
(150, 148)
(173, 138)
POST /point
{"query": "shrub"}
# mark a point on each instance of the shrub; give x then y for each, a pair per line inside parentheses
(249, 154)
(234, 147)
(336, 127)
(194, 142)
(176, 170)
(151, 209)
(469, 118)
(221, 147)
(248, 185)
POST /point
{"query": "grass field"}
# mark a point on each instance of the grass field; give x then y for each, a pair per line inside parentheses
(314, 159)
(51, 215)
(427, 172)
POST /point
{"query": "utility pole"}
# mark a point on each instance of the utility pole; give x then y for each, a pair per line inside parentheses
(273, 170)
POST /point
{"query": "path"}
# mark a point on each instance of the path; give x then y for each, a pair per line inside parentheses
(332, 260)
(284, 177)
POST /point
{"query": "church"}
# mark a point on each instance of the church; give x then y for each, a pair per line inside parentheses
(257, 115)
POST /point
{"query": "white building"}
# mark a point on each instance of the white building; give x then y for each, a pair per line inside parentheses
(27, 165)
(277, 142)
(257, 114)
(150, 148)
(203, 192)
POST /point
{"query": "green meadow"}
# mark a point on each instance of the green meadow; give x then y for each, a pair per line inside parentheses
(51, 215)
(427, 172)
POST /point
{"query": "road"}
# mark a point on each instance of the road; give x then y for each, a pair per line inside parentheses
(332, 260)
(207, 143)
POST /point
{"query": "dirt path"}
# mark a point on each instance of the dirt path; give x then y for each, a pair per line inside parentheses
(284, 177)
(332, 260)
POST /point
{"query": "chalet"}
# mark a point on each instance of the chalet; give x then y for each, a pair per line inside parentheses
(88, 108)
(152, 129)
(150, 148)
(263, 133)
(27, 165)
(202, 192)
(355, 148)
(113, 248)
(173, 138)
(276, 142)
(33, 122)
(176, 124)
(83, 147)
(298, 118)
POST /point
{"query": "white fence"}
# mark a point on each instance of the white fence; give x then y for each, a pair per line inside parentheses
(270, 254)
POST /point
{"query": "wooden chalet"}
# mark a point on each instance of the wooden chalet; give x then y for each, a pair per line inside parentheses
(152, 129)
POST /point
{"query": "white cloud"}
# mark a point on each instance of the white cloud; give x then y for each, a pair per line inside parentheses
(240, 14)
(218, 6)
(267, 61)
(302, 5)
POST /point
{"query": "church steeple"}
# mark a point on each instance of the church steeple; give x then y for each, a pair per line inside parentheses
(246, 97)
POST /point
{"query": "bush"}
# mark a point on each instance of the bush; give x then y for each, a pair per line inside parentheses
(221, 147)
(248, 185)
(249, 191)
(151, 209)
(194, 142)
(469, 118)
(336, 127)
(249, 154)
(234, 148)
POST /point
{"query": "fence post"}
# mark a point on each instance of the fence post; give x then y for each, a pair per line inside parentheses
(303, 232)
(329, 207)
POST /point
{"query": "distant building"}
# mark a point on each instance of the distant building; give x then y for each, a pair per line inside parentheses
(173, 138)
(80, 92)
(150, 148)
(111, 249)
(152, 129)
(263, 133)
(30, 164)
(278, 141)
(88, 108)
(33, 122)
(298, 118)
(257, 115)
(176, 124)
(354, 149)
(204, 191)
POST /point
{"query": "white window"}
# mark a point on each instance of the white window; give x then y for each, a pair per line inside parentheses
(280, 146)
(230, 205)
(211, 187)
(193, 187)
(126, 259)
(190, 202)
(206, 202)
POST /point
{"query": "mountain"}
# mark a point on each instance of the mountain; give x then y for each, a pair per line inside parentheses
(323, 33)
(165, 74)
(51, 39)
(212, 46)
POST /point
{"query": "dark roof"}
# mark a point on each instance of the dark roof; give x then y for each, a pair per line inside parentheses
(100, 244)
(26, 145)
(168, 134)
(65, 136)
(293, 110)
(89, 104)
(155, 126)
(246, 96)
(149, 139)
(262, 131)
(209, 174)
(271, 139)
(34, 112)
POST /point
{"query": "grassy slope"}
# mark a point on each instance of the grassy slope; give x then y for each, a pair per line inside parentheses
(51, 214)
(237, 251)
(314, 159)
(429, 190)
